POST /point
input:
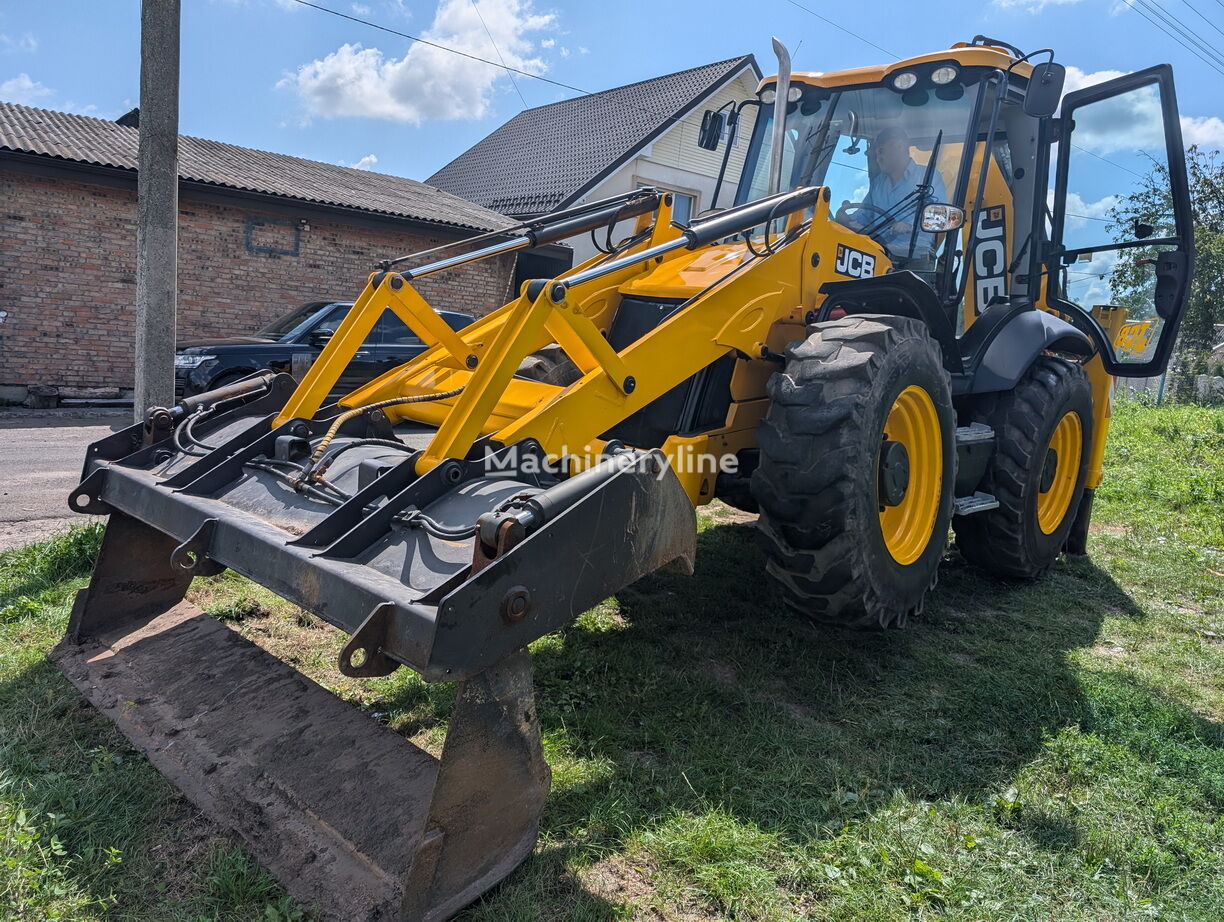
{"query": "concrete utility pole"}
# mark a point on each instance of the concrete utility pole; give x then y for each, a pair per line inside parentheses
(157, 195)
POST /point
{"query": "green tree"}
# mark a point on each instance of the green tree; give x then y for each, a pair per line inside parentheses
(1132, 281)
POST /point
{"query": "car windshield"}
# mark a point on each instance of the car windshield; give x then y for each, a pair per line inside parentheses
(836, 138)
(293, 323)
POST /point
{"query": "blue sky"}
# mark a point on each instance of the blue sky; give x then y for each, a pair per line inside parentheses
(278, 76)
(275, 75)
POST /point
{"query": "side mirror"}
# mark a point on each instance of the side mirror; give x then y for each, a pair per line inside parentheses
(1045, 90)
(938, 218)
(710, 135)
(1142, 230)
(320, 338)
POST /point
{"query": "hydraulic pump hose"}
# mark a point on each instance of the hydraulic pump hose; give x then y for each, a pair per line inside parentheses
(344, 417)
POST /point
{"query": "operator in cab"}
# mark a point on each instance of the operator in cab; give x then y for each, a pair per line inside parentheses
(894, 190)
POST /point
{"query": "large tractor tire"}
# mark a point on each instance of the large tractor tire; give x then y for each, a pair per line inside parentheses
(858, 467)
(550, 365)
(1043, 432)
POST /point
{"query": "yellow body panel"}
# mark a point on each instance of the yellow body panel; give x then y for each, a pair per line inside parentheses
(964, 55)
(732, 302)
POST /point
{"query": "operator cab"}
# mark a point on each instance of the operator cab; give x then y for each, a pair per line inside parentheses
(892, 145)
(941, 166)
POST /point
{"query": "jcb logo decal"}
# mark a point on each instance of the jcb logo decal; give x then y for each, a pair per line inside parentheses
(854, 263)
(990, 256)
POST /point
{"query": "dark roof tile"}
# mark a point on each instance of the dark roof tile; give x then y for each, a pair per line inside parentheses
(82, 139)
(543, 157)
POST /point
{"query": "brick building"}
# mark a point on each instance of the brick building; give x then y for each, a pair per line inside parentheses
(259, 233)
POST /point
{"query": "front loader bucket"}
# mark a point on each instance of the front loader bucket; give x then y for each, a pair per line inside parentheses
(351, 817)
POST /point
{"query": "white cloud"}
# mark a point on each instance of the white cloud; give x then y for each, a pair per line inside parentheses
(1207, 131)
(1088, 282)
(1031, 6)
(365, 163)
(1080, 212)
(361, 9)
(78, 109)
(428, 82)
(1077, 79)
(21, 89)
(1133, 121)
(9, 45)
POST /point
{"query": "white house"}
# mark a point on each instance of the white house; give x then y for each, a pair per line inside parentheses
(591, 147)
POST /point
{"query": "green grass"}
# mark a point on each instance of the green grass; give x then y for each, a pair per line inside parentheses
(1026, 752)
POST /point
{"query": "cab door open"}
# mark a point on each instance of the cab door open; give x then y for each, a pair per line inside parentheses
(1122, 234)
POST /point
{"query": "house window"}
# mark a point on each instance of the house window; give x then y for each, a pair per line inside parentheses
(682, 202)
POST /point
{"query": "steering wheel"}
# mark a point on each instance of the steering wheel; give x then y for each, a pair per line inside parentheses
(843, 213)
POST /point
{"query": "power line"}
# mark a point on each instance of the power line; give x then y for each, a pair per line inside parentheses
(1148, 12)
(441, 47)
(667, 116)
(837, 25)
(1182, 29)
(1202, 17)
(497, 51)
(1142, 11)
(1107, 160)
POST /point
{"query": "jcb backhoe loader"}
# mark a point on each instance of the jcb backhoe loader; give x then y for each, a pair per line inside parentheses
(874, 344)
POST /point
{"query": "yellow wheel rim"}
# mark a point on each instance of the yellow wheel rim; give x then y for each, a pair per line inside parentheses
(1067, 444)
(914, 423)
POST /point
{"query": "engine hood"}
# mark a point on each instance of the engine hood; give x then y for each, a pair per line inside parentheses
(688, 273)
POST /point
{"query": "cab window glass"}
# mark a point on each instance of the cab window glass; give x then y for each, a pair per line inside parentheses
(1117, 196)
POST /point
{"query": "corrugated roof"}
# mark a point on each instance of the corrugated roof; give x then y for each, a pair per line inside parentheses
(82, 139)
(543, 157)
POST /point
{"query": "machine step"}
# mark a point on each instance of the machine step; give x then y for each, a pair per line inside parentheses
(974, 434)
(978, 502)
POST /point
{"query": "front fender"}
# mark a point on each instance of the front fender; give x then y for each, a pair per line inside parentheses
(1015, 345)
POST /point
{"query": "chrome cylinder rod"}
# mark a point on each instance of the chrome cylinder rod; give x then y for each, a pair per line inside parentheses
(699, 233)
(558, 288)
(462, 259)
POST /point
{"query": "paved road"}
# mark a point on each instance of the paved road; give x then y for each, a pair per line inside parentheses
(40, 461)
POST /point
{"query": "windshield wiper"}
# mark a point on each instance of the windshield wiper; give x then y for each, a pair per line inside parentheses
(926, 190)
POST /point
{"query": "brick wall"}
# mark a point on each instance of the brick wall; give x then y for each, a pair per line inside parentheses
(68, 274)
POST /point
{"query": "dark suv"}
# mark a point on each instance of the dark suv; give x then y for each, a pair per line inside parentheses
(292, 344)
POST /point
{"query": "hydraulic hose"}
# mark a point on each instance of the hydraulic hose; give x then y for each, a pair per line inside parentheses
(344, 417)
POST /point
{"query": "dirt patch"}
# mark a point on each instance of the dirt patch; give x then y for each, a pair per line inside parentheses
(1114, 531)
(189, 839)
(1109, 651)
(623, 880)
(728, 515)
(629, 881)
(722, 673)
